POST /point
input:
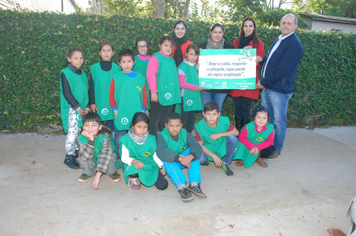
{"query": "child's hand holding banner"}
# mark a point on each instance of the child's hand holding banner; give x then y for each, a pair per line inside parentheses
(227, 68)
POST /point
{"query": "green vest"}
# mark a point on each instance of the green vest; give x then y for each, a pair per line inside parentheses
(79, 89)
(128, 96)
(218, 146)
(102, 81)
(174, 146)
(140, 66)
(143, 153)
(98, 145)
(191, 100)
(254, 137)
(168, 89)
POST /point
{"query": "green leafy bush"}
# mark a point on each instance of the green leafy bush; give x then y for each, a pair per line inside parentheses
(34, 47)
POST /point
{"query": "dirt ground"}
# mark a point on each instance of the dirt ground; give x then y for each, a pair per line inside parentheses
(305, 191)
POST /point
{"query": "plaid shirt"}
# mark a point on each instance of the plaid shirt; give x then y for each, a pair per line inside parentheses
(86, 151)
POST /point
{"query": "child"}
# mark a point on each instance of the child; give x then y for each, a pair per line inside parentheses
(101, 75)
(217, 136)
(163, 81)
(190, 91)
(138, 153)
(256, 140)
(74, 102)
(96, 155)
(178, 150)
(141, 63)
(127, 95)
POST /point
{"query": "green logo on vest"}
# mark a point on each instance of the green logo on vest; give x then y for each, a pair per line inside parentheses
(189, 102)
(79, 117)
(105, 111)
(124, 121)
(168, 96)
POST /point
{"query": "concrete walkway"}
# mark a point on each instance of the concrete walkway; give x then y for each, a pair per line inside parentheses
(305, 191)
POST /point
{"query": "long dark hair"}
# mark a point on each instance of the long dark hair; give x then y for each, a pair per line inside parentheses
(139, 116)
(72, 50)
(255, 32)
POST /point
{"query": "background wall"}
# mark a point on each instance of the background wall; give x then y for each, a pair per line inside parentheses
(34, 47)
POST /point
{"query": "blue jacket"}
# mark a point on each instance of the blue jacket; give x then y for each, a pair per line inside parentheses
(282, 66)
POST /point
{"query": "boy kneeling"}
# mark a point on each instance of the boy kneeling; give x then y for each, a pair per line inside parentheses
(96, 153)
(217, 136)
(178, 150)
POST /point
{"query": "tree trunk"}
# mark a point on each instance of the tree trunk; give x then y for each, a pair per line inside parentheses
(159, 8)
(186, 9)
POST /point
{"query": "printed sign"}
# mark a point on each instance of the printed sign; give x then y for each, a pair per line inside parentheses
(227, 68)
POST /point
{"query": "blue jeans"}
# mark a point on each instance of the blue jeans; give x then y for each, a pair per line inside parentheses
(117, 135)
(219, 98)
(277, 105)
(175, 173)
(231, 144)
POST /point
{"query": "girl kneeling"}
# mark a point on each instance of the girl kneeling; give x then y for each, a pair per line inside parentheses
(138, 153)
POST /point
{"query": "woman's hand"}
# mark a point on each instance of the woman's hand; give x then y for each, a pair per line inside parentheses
(258, 59)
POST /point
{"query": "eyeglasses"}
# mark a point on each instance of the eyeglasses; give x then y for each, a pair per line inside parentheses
(143, 46)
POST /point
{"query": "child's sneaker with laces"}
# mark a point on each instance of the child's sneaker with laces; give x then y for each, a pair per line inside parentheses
(197, 191)
(83, 178)
(185, 195)
(134, 183)
(71, 161)
(115, 177)
(227, 170)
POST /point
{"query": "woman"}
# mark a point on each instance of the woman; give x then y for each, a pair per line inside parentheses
(215, 41)
(248, 38)
(181, 43)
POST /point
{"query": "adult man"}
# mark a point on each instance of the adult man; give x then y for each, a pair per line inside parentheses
(278, 74)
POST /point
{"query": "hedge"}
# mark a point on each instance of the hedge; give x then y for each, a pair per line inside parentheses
(34, 47)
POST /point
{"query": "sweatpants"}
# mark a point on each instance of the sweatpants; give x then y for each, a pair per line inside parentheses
(175, 173)
(72, 143)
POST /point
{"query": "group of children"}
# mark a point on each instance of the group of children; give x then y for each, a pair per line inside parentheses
(120, 96)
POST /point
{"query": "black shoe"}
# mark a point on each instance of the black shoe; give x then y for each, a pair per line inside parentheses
(185, 195)
(205, 163)
(197, 191)
(275, 154)
(70, 161)
(227, 170)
